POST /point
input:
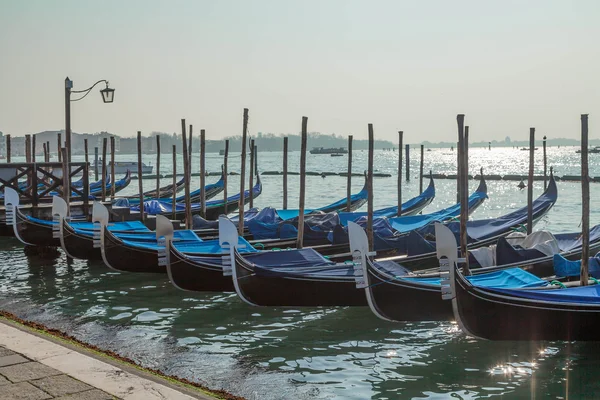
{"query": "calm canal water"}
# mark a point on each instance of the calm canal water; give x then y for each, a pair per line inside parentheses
(275, 353)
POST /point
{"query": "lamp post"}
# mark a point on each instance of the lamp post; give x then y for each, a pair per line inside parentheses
(107, 93)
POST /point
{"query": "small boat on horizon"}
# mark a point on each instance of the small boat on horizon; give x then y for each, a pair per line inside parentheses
(330, 150)
(593, 150)
(121, 167)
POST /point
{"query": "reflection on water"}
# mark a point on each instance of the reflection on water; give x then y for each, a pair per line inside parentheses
(270, 353)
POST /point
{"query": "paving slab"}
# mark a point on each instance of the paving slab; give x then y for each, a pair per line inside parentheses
(111, 379)
(94, 394)
(60, 385)
(23, 391)
(5, 352)
(27, 371)
(4, 381)
(11, 360)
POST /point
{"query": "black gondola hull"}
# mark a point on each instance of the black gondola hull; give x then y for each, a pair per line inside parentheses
(295, 292)
(185, 274)
(121, 257)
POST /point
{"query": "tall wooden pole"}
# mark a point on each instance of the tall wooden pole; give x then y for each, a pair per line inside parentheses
(33, 146)
(530, 182)
(465, 192)
(225, 174)
(48, 150)
(68, 86)
(95, 162)
(421, 169)
(585, 197)
(139, 171)
(202, 173)
(45, 152)
(104, 144)
(464, 210)
(370, 189)
(175, 181)
(189, 149)
(300, 240)
(8, 148)
(158, 167)
(251, 180)
(243, 173)
(186, 173)
(545, 166)
(28, 148)
(59, 146)
(458, 171)
(407, 162)
(112, 168)
(349, 178)
(66, 179)
(400, 140)
(85, 151)
(285, 172)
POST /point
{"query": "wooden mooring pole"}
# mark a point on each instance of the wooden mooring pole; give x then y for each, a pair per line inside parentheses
(300, 240)
(251, 174)
(243, 173)
(349, 178)
(585, 201)
(175, 180)
(202, 173)
(400, 140)
(33, 146)
(407, 162)
(225, 174)
(285, 173)
(66, 179)
(45, 152)
(370, 188)
(187, 175)
(421, 169)
(59, 146)
(85, 152)
(104, 145)
(8, 148)
(95, 163)
(530, 181)
(545, 166)
(112, 168)
(158, 167)
(464, 209)
(27, 148)
(139, 172)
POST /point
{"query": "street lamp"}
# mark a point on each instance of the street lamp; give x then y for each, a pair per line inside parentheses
(108, 96)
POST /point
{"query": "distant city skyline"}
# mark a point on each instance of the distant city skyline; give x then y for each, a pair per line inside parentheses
(400, 65)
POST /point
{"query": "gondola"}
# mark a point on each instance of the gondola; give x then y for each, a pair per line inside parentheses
(418, 251)
(390, 288)
(214, 208)
(571, 314)
(119, 185)
(126, 252)
(319, 222)
(164, 192)
(210, 191)
(188, 271)
(258, 285)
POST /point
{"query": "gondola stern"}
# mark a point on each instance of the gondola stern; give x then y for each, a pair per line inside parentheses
(359, 247)
(448, 258)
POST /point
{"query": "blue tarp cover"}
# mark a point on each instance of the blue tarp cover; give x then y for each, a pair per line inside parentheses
(508, 278)
(564, 267)
(583, 294)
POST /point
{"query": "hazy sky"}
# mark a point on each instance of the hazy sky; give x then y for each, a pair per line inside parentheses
(402, 65)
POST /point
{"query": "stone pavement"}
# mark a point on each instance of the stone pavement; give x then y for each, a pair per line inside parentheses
(22, 378)
(36, 367)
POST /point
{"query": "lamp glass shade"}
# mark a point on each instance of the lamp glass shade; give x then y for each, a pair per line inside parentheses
(108, 95)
